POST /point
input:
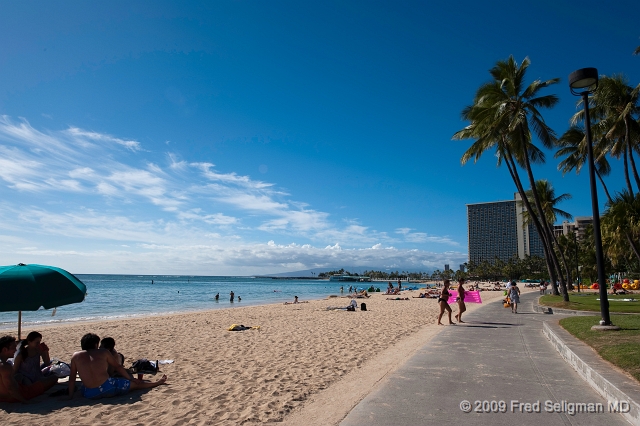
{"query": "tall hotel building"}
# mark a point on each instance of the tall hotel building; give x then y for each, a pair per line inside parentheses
(497, 229)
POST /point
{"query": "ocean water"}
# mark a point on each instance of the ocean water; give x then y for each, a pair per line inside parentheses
(122, 296)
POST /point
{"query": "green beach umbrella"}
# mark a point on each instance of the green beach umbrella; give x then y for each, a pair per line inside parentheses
(28, 287)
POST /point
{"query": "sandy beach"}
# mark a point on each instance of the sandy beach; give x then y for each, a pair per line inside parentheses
(305, 365)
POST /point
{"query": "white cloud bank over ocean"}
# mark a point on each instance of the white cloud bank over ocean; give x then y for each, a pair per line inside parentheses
(95, 203)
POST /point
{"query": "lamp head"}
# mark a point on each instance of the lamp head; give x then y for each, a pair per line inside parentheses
(585, 78)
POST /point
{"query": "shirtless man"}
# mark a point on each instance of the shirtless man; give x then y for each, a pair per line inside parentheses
(92, 365)
(109, 344)
(10, 390)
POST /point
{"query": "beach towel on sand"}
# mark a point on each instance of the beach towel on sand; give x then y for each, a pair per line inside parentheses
(236, 327)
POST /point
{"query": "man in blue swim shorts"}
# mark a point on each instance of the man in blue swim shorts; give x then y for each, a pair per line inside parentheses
(92, 364)
(112, 387)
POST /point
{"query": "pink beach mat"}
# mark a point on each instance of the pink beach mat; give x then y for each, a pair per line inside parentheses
(469, 297)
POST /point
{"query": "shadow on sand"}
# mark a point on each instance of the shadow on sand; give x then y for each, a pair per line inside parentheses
(44, 404)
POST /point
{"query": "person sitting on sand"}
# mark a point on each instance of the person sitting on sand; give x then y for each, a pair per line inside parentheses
(26, 362)
(92, 364)
(109, 344)
(362, 294)
(10, 389)
(295, 301)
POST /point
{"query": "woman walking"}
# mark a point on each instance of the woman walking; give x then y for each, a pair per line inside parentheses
(443, 301)
(514, 295)
(461, 306)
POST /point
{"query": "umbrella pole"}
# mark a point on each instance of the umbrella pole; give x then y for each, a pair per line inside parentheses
(19, 325)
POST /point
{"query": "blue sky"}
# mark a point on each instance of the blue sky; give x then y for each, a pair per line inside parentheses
(247, 137)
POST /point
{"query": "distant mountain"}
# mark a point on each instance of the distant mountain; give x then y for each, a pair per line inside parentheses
(353, 269)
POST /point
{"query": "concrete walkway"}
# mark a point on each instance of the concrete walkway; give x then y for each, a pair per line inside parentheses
(497, 356)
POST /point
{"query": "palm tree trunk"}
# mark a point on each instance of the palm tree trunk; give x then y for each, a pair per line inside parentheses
(606, 191)
(564, 260)
(630, 146)
(634, 169)
(626, 171)
(545, 230)
(633, 245)
(516, 178)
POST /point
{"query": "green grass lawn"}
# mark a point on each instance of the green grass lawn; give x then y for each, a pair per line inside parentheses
(621, 348)
(589, 302)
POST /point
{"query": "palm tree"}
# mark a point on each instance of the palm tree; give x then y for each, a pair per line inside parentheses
(615, 104)
(503, 115)
(549, 201)
(620, 220)
(573, 145)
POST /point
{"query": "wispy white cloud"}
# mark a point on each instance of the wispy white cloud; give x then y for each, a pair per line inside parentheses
(99, 137)
(214, 219)
(174, 163)
(422, 237)
(98, 190)
(233, 178)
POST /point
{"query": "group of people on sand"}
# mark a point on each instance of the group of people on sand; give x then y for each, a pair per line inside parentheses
(443, 301)
(98, 364)
(392, 290)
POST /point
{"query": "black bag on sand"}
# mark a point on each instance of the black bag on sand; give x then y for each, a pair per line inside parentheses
(363, 306)
(144, 366)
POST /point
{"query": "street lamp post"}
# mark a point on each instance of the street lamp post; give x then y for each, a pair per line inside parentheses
(579, 277)
(575, 242)
(586, 79)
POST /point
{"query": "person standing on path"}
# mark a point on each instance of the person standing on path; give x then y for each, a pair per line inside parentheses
(443, 301)
(514, 295)
(461, 306)
(231, 294)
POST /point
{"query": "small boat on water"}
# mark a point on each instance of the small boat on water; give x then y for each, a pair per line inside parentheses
(349, 278)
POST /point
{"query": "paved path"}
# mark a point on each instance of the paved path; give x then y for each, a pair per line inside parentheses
(496, 356)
